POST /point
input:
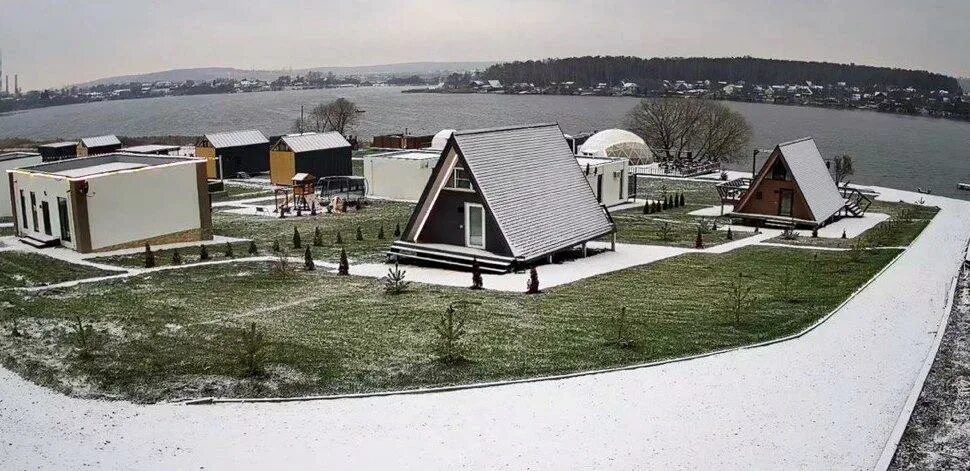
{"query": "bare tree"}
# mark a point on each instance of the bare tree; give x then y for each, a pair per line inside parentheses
(339, 115)
(678, 129)
(843, 168)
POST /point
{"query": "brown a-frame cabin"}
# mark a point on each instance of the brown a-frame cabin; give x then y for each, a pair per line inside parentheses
(505, 198)
(793, 188)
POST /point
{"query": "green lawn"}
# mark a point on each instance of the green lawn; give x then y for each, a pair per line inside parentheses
(161, 336)
(237, 192)
(906, 221)
(20, 269)
(674, 226)
(375, 215)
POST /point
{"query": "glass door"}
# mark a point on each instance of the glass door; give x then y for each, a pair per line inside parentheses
(785, 205)
(474, 225)
(64, 219)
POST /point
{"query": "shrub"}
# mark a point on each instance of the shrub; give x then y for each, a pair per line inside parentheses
(699, 241)
(203, 252)
(476, 275)
(176, 257)
(683, 201)
(297, 243)
(380, 233)
(620, 328)
(646, 207)
(789, 234)
(339, 240)
(282, 263)
(253, 250)
(532, 286)
(308, 260)
(394, 282)
(229, 253)
(815, 232)
(844, 235)
(450, 330)
(276, 246)
(253, 352)
(739, 296)
(730, 234)
(397, 230)
(317, 237)
(149, 257)
(360, 234)
(344, 267)
(664, 231)
(84, 339)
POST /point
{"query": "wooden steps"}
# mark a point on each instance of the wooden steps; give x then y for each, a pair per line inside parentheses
(456, 257)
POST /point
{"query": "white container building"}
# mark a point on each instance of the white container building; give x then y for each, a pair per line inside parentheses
(111, 201)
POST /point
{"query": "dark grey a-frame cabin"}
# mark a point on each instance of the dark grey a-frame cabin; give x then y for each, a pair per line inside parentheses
(504, 197)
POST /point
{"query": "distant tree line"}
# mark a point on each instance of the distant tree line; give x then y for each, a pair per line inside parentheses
(591, 70)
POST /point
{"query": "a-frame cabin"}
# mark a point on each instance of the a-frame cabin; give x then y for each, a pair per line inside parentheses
(794, 188)
(504, 197)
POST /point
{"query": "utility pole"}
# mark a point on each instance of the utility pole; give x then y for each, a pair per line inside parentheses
(300, 128)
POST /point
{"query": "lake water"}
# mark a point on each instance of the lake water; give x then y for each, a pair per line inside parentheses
(889, 150)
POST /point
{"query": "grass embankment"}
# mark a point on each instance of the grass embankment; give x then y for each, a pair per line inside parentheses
(674, 226)
(906, 221)
(265, 230)
(20, 270)
(161, 336)
(238, 192)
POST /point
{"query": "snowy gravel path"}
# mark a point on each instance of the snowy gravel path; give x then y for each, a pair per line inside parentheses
(827, 400)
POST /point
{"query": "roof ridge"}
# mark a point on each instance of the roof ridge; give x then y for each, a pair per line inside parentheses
(796, 141)
(503, 128)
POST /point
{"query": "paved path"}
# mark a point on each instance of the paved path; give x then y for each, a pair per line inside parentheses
(827, 400)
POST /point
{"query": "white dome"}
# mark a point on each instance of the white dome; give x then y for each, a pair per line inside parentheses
(440, 140)
(617, 143)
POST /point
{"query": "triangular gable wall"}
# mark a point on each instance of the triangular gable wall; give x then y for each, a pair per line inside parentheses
(777, 156)
(450, 158)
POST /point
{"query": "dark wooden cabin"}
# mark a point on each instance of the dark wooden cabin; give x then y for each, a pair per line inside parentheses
(504, 197)
(239, 152)
(55, 151)
(319, 154)
(97, 145)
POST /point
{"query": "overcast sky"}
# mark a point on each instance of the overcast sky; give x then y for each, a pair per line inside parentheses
(53, 43)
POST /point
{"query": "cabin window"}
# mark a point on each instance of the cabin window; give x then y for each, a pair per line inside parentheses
(460, 180)
(33, 210)
(23, 209)
(779, 172)
(64, 219)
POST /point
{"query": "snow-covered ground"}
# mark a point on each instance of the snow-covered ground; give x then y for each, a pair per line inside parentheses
(852, 226)
(826, 400)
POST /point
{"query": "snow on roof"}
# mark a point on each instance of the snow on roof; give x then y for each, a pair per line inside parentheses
(105, 163)
(99, 141)
(53, 145)
(221, 140)
(812, 177)
(406, 155)
(315, 141)
(529, 179)
(149, 148)
(17, 156)
(440, 139)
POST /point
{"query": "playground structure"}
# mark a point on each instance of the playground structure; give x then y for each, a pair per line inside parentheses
(309, 194)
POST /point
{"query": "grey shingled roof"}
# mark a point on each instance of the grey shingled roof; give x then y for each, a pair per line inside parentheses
(809, 172)
(222, 140)
(530, 181)
(315, 141)
(99, 141)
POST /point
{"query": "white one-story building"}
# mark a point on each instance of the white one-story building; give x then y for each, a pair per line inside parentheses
(9, 161)
(607, 177)
(111, 201)
(400, 175)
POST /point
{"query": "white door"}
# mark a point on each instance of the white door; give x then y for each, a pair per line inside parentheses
(474, 225)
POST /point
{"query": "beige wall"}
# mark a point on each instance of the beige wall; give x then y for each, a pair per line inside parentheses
(615, 175)
(45, 188)
(142, 204)
(5, 209)
(397, 179)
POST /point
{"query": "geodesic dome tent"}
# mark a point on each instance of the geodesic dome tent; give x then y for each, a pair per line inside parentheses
(617, 143)
(440, 140)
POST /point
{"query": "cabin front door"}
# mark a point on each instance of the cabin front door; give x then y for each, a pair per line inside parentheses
(474, 225)
(785, 202)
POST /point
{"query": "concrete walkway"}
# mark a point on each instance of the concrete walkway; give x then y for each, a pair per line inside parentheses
(827, 400)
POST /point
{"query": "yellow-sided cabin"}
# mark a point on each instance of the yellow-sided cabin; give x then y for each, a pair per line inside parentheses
(319, 154)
